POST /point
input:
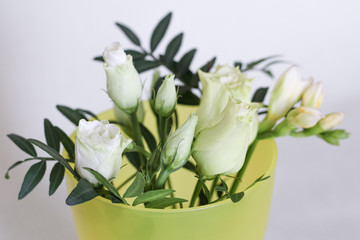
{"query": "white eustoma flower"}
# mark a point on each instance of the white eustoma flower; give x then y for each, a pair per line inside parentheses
(99, 146)
(166, 97)
(331, 120)
(217, 87)
(177, 148)
(221, 149)
(303, 117)
(123, 81)
(313, 96)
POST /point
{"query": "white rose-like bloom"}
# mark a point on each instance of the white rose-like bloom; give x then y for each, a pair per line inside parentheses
(217, 87)
(166, 97)
(123, 84)
(314, 95)
(331, 120)
(99, 146)
(221, 149)
(177, 148)
(303, 117)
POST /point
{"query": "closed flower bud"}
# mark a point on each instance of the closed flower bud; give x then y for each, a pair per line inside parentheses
(166, 97)
(124, 119)
(218, 86)
(331, 120)
(313, 96)
(177, 148)
(221, 149)
(124, 85)
(99, 146)
(303, 117)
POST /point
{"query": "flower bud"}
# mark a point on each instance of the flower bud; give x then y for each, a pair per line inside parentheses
(99, 146)
(177, 149)
(331, 120)
(124, 85)
(124, 119)
(313, 96)
(217, 87)
(221, 149)
(287, 91)
(303, 117)
(166, 97)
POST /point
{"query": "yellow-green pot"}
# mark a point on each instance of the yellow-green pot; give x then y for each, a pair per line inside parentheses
(246, 219)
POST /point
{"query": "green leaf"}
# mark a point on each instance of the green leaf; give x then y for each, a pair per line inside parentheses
(134, 159)
(186, 97)
(32, 178)
(83, 192)
(173, 48)
(259, 95)
(189, 166)
(207, 67)
(136, 188)
(67, 143)
(238, 64)
(223, 187)
(54, 154)
(23, 144)
(104, 182)
(165, 202)
(152, 196)
(149, 138)
(71, 114)
(145, 65)
(129, 33)
(135, 54)
(84, 111)
(99, 59)
(159, 31)
(51, 135)
(185, 62)
(237, 197)
(267, 72)
(56, 177)
(206, 191)
(11, 167)
(251, 65)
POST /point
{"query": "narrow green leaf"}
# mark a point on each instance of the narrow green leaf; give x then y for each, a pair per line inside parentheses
(99, 59)
(11, 167)
(267, 72)
(185, 62)
(54, 154)
(56, 177)
(149, 138)
(71, 114)
(104, 182)
(145, 65)
(274, 62)
(67, 143)
(23, 144)
(173, 48)
(237, 197)
(135, 54)
(83, 192)
(223, 187)
(238, 64)
(129, 33)
(88, 112)
(137, 186)
(206, 190)
(189, 166)
(134, 159)
(186, 97)
(51, 135)
(159, 31)
(152, 196)
(259, 95)
(251, 65)
(207, 67)
(32, 178)
(165, 202)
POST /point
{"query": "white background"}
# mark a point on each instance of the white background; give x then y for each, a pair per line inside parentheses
(46, 49)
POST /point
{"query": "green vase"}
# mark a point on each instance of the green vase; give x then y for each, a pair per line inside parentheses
(246, 219)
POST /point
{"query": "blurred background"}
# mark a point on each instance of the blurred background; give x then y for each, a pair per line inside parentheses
(46, 51)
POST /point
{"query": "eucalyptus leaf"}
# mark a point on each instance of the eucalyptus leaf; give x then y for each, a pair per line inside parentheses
(23, 144)
(237, 197)
(185, 62)
(137, 186)
(51, 135)
(83, 192)
(173, 48)
(56, 177)
(165, 202)
(71, 114)
(67, 143)
(260, 95)
(129, 33)
(159, 31)
(152, 196)
(32, 178)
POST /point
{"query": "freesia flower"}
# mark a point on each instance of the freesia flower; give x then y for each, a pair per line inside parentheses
(313, 96)
(303, 117)
(331, 120)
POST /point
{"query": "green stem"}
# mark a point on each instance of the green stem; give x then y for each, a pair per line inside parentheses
(213, 186)
(196, 193)
(163, 129)
(141, 150)
(138, 137)
(266, 125)
(240, 173)
(163, 176)
(126, 181)
(172, 194)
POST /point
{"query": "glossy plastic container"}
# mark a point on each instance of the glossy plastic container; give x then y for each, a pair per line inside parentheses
(247, 219)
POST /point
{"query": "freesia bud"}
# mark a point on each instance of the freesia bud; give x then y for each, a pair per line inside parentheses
(303, 117)
(99, 146)
(166, 97)
(124, 85)
(313, 96)
(217, 87)
(124, 119)
(331, 120)
(221, 149)
(177, 148)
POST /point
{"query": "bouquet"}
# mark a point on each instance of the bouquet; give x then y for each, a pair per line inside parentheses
(219, 137)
